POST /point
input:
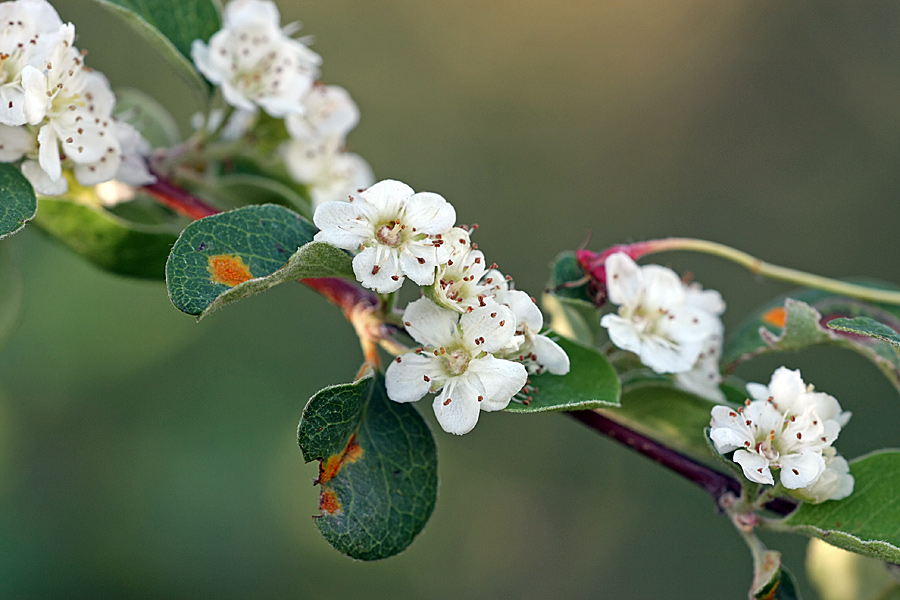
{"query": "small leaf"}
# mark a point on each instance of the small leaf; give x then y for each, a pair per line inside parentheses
(868, 521)
(315, 259)
(171, 27)
(377, 468)
(106, 240)
(590, 383)
(796, 323)
(866, 327)
(148, 116)
(766, 575)
(668, 415)
(224, 251)
(569, 303)
(18, 204)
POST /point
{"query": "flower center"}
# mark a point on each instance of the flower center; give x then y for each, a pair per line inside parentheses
(390, 234)
(456, 361)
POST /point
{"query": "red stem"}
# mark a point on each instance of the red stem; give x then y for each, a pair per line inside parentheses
(179, 200)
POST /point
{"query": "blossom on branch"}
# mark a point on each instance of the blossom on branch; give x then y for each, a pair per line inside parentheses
(399, 232)
(788, 427)
(255, 62)
(661, 319)
(457, 362)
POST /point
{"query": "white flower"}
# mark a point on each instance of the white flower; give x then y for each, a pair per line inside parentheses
(537, 351)
(329, 113)
(28, 32)
(255, 62)
(458, 284)
(781, 430)
(329, 174)
(792, 396)
(660, 319)
(456, 360)
(133, 168)
(399, 231)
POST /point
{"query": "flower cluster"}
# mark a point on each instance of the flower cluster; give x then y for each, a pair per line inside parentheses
(257, 64)
(789, 427)
(673, 327)
(55, 113)
(480, 338)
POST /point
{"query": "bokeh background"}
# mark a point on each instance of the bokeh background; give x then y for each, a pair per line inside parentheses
(144, 455)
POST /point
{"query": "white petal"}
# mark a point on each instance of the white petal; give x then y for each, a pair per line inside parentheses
(456, 407)
(488, 328)
(34, 98)
(341, 225)
(528, 315)
(550, 356)
(664, 356)
(12, 101)
(786, 385)
(662, 288)
(429, 324)
(387, 196)
(14, 143)
(709, 300)
(429, 213)
(496, 380)
(235, 97)
(622, 332)
(405, 377)
(686, 323)
(48, 153)
(755, 467)
(801, 470)
(418, 263)
(41, 182)
(624, 282)
(378, 269)
(758, 391)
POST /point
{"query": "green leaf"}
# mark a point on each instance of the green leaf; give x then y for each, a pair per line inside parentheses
(18, 204)
(868, 521)
(377, 471)
(787, 586)
(796, 323)
(590, 383)
(668, 415)
(171, 27)
(315, 259)
(222, 252)
(148, 116)
(106, 240)
(867, 327)
(244, 188)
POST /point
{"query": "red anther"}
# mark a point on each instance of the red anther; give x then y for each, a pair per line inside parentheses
(421, 260)
(447, 401)
(480, 398)
(398, 359)
(375, 270)
(426, 377)
(493, 315)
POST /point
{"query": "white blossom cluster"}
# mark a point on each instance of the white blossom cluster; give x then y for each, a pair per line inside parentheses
(257, 64)
(56, 114)
(790, 428)
(673, 327)
(479, 338)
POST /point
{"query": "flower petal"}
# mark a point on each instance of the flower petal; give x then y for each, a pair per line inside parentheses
(456, 407)
(528, 315)
(387, 197)
(429, 324)
(496, 379)
(488, 328)
(378, 269)
(48, 153)
(405, 378)
(624, 281)
(429, 213)
(801, 470)
(755, 467)
(341, 225)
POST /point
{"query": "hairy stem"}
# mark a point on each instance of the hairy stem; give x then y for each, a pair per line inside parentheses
(755, 265)
(716, 484)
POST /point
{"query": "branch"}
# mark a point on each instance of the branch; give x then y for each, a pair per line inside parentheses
(182, 202)
(715, 483)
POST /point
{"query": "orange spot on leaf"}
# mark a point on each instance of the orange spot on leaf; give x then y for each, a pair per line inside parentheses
(777, 317)
(329, 502)
(328, 469)
(228, 269)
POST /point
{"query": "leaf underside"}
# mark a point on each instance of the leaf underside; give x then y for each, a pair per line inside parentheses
(18, 203)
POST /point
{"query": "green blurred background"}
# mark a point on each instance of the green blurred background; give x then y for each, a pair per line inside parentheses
(144, 455)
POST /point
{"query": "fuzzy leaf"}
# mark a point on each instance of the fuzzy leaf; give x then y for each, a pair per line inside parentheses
(868, 521)
(867, 327)
(798, 322)
(377, 468)
(18, 204)
(223, 252)
(106, 240)
(171, 27)
(315, 259)
(590, 383)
